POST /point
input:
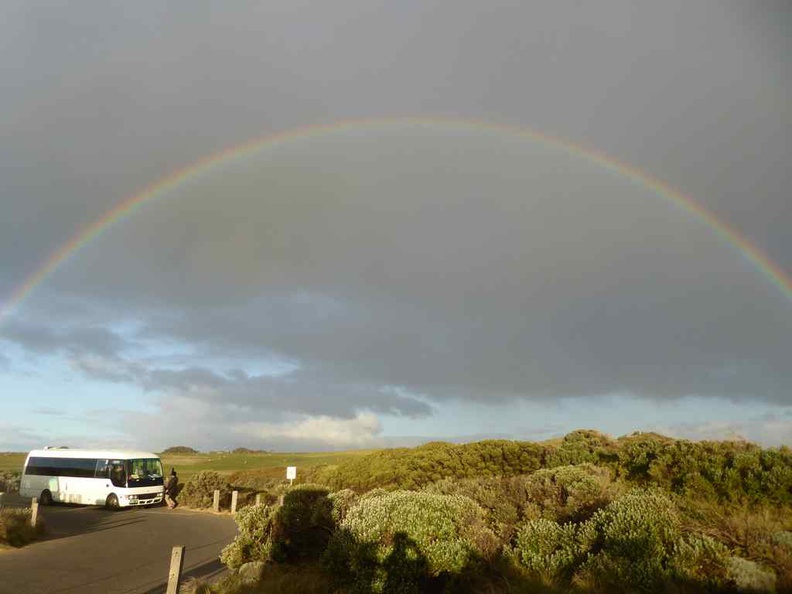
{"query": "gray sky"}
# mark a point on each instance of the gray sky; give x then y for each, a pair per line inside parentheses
(385, 283)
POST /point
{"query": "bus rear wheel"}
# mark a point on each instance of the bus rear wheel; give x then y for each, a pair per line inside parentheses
(112, 502)
(45, 498)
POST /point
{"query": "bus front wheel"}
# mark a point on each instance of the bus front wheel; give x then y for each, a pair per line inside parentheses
(112, 502)
(46, 497)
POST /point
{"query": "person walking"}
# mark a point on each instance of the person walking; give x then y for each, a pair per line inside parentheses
(170, 489)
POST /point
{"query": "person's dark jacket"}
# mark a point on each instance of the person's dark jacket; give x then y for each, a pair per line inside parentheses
(170, 486)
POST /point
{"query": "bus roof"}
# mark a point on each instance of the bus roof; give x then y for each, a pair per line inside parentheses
(69, 453)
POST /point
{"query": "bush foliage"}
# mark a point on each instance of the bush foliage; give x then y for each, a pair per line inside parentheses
(642, 513)
(9, 481)
(630, 542)
(15, 528)
(296, 531)
(199, 490)
(412, 468)
(723, 471)
(406, 539)
(548, 549)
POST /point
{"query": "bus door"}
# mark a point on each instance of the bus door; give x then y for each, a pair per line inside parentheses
(113, 476)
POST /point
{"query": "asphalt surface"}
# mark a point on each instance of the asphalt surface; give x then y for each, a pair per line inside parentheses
(93, 550)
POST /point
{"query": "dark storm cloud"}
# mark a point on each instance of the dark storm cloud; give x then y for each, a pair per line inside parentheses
(446, 263)
(73, 340)
(297, 392)
(461, 266)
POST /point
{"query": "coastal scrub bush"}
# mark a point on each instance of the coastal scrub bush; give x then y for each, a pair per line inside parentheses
(403, 540)
(702, 563)
(630, 543)
(570, 493)
(15, 528)
(9, 481)
(581, 447)
(296, 531)
(503, 500)
(303, 524)
(253, 541)
(342, 501)
(750, 576)
(199, 490)
(547, 549)
(404, 468)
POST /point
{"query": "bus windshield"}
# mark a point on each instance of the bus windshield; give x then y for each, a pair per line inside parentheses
(144, 471)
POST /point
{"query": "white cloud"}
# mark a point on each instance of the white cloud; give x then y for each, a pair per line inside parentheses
(338, 433)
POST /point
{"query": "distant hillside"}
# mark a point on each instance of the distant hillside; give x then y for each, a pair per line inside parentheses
(185, 450)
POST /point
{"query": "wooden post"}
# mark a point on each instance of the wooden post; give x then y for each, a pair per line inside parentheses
(280, 499)
(1, 499)
(34, 512)
(234, 498)
(216, 502)
(174, 574)
(258, 498)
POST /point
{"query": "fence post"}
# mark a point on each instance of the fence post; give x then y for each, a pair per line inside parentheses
(174, 574)
(216, 502)
(258, 499)
(234, 498)
(34, 505)
(280, 500)
(1, 499)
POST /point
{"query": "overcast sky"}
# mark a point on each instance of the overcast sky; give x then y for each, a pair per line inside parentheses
(392, 282)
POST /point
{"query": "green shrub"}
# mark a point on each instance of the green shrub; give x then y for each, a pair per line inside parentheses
(199, 490)
(397, 541)
(783, 538)
(414, 468)
(253, 542)
(722, 471)
(502, 499)
(342, 501)
(563, 494)
(701, 562)
(547, 549)
(9, 481)
(15, 528)
(377, 492)
(296, 531)
(581, 447)
(749, 576)
(630, 543)
(303, 524)
(570, 493)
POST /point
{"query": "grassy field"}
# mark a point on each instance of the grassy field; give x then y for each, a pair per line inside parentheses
(226, 463)
(12, 461)
(222, 462)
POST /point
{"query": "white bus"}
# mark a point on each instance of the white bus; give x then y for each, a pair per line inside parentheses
(113, 478)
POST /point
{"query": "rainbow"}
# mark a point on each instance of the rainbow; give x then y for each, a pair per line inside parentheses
(771, 271)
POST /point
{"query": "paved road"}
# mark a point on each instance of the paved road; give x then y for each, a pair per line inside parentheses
(93, 550)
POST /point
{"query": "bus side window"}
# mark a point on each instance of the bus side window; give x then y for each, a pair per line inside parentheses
(102, 469)
(118, 473)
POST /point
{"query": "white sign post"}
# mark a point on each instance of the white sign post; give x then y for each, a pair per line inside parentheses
(291, 474)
